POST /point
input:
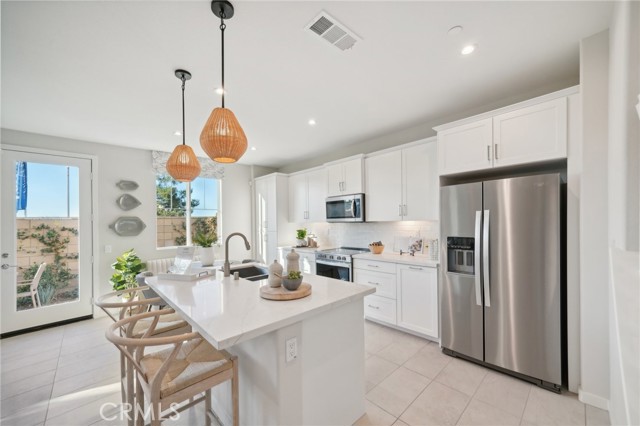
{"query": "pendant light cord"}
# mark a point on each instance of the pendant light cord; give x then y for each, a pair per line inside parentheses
(183, 136)
(223, 26)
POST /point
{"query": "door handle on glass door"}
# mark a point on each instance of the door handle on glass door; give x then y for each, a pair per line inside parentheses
(485, 259)
(476, 259)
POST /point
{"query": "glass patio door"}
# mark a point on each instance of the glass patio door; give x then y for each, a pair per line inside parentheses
(46, 241)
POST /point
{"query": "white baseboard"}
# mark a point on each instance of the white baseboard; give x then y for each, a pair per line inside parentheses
(592, 399)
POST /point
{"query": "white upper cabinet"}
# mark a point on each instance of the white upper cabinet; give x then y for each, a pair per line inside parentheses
(344, 177)
(307, 194)
(529, 132)
(420, 182)
(466, 148)
(532, 134)
(402, 184)
(317, 195)
(383, 175)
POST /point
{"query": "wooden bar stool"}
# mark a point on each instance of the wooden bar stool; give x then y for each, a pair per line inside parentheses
(176, 374)
(126, 303)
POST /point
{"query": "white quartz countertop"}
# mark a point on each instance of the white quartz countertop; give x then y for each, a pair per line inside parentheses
(227, 311)
(396, 258)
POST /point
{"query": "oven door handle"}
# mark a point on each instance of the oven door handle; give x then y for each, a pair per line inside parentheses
(330, 263)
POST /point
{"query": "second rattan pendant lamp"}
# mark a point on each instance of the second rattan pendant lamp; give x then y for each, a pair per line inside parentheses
(183, 165)
(222, 137)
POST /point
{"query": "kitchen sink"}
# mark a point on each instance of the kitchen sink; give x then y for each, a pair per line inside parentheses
(251, 271)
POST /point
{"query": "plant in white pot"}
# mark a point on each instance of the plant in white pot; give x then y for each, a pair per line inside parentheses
(206, 242)
(301, 234)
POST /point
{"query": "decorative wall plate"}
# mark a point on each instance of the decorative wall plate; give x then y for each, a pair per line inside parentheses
(128, 226)
(127, 185)
(127, 202)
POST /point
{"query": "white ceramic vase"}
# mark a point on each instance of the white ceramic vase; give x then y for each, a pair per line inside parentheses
(206, 256)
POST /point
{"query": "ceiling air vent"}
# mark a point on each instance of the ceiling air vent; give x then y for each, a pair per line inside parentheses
(325, 26)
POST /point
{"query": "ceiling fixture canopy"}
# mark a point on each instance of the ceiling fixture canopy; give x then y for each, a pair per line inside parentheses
(222, 137)
(183, 165)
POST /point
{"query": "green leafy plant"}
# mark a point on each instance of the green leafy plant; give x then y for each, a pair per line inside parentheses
(205, 239)
(294, 275)
(301, 234)
(127, 266)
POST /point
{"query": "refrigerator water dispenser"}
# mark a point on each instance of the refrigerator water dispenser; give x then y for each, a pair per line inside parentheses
(460, 255)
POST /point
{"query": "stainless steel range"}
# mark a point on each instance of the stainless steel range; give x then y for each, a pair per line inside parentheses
(337, 263)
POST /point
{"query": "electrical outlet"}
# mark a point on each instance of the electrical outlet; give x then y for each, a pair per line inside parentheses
(291, 349)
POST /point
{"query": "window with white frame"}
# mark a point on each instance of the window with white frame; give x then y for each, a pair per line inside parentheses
(171, 202)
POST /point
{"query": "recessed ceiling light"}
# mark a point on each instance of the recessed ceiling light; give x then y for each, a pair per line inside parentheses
(468, 49)
(312, 122)
(177, 133)
(253, 148)
(219, 90)
(454, 30)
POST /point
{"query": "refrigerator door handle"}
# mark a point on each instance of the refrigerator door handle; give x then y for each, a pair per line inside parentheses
(485, 259)
(476, 259)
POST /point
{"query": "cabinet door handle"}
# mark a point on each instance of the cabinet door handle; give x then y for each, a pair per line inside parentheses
(495, 151)
(404, 208)
(415, 267)
(374, 307)
(488, 152)
(399, 209)
(371, 282)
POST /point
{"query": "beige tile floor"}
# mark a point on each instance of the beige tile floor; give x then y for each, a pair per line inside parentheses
(66, 375)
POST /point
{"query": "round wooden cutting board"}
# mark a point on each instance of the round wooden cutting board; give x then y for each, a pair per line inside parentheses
(281, 293)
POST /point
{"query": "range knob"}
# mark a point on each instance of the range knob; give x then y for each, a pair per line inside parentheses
(331, 257)
(344, 258)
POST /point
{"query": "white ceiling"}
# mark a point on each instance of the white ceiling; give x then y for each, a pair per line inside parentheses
(103, 71)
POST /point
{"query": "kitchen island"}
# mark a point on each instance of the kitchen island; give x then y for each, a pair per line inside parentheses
(324, 382)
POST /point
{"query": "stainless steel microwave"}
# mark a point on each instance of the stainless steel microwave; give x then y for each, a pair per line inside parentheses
(345, 208)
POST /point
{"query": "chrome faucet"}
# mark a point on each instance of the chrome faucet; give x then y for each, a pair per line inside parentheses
(227, 266)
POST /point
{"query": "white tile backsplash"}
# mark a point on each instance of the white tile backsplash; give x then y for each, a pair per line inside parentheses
(361, 234)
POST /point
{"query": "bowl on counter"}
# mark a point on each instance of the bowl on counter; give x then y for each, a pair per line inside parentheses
(290, 284)
(376, 249)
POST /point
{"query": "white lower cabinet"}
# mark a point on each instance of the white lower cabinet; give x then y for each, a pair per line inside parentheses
(382, 275)
(417, 299)
(380, 308)
(406, 295)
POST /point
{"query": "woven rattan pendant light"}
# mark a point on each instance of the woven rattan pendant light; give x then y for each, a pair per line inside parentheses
(222, 137)
(183, 165)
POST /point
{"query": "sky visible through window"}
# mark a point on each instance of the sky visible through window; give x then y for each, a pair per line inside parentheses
(47, 194)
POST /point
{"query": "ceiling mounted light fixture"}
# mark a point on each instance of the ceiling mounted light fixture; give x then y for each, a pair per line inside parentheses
(183, 165)
(222, 137)
(467, 50)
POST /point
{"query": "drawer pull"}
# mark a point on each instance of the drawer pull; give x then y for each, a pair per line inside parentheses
(371, 282)
(415, 267)
(373, 266)
(374, 307)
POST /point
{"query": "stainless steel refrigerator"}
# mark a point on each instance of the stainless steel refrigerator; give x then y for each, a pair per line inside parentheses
(501, 275)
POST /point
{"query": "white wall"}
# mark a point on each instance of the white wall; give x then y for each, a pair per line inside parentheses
(624, 208)
(624, 132)
(116, 163)
(594, 320)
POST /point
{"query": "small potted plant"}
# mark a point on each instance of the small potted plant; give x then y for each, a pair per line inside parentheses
(206, 242)
(301, 235)
(292, 281)
(127, 266)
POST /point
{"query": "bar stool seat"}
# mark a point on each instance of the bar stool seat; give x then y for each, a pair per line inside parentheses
(196, 361)
(165, 325)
